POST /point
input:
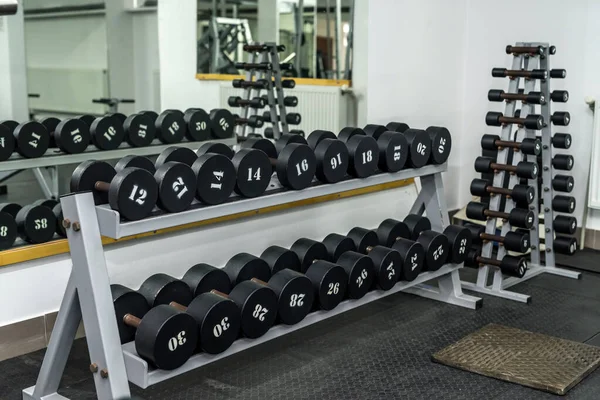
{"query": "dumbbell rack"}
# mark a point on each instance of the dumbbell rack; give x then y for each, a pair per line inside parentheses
(88, 294)
(274, 85)
(536, 267)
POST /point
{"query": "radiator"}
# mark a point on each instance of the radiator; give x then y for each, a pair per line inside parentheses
(321, 107)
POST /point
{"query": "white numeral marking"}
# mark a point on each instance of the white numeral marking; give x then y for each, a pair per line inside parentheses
(367, 156)
(260, 312)
(177, 341)
(141, 195)
(255, 175)
(333, 288)
(41, 223)
(297, 300)
(221, 327)
(302, 167)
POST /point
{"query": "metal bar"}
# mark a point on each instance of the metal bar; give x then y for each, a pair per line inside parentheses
(142, 375)
(215, 45)
(329, 38)
(350, 49)
(111, 226)
(299, 17)
(4, 176)
(55, 158)
(43, 179)
(338, 25)
(280, 96)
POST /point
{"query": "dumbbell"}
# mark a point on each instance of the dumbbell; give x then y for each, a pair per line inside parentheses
(564, 224)
(329, 280)
(531, 121)
(565, 245)
(531, 50)
(198, 124)
(35, 223)
(288, 83)
(237, 101)
(253, 121)
(520, 217)
(71, 135)
(331, 155)
(496, 95)
(388, 263)
(257, 84)
(393, 147)
(260, 301)
(295, 164)
(140, 129)
(360, 271)
(559, 96)
(132, 191)
(512, 241)
(268, 132)
(217, 316)
(170, 126)
(519, 73)
(523, 169)
(362, 150)
(521, 194)
(222, 123)
(8, 224)
(262, 48)
(163, 335)
(60, 226)
(107, 132)
(290, 118)
(563, 183)
(264, 66)
(31, 139)
(565, 204)
(509, 265)
(561, 118)
(7, 142)
(527, 146)
(420, 144)
(561, 141)
(253, 168)
(563, 162)
(288, 101)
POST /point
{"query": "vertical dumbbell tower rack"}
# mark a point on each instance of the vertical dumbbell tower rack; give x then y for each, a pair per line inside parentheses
(274, 87)
(88, 295)
(537, 266)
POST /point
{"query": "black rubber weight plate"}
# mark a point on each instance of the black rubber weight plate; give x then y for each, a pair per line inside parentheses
(176, 186)
(198, 124)
(441, 144)
(36, 224)
(332, 161)
(139, 130)
(393, 151)
(32, 139)
(177, 154)
(87, 174)
(133, 192)
(107, 133)
(216, 178)
(72, 136)
(170, 127)
(296, 166)
(8, 230)
(60, 229)
(132, 161)
(253, 172)
(7, 143)
(216, 148)
(364, 156)
(222, 124)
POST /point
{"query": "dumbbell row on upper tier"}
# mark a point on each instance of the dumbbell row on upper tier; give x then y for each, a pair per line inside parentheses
(209, 308)
(32, 139)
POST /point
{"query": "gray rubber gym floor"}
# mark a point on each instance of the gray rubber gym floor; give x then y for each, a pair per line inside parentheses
(379, 351)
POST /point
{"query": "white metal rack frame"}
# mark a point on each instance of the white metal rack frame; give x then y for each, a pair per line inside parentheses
(536, 267)
(88, 295)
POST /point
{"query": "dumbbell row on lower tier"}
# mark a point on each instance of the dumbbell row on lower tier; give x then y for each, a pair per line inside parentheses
(34, 223)
(73, 135)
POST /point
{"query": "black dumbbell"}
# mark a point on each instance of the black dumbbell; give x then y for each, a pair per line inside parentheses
(561, 118)
(509, 265)
(532, 121)
(164, 336)
(523, 169)
(288, 101)
(329, 280)
(331, 155)
(8, 225)
(564, 224)
(264, 66)
(420, 144)
(217, 316)
(71, 135)
(295, 164)
(288, 83)
(520, 217)
(563, 162)
(563, 183)
(290, 118)
(198, 124)
(35, 223)
(237, 101)
(140, 129)
(7, 141)
(358, 267)
(243, 84)
(531, 50)
(523, 195)
(32, 139)
(527, 146)
(519, 73)
(513, 241)
(559, 96)
(260, 48)
(558, 73)
(561, 141)
(441, 144)
(51, 123)
(254, 121)
(222, 123)
(132, 191)
(393, 147)
(388, 263)
(107, 132)
(565, 245)
(565, 204)
(363, 151)
(170, 126)
(253, 168)
(269, 133)
(530, 98)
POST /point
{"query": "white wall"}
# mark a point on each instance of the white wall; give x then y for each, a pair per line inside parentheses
(41, 283)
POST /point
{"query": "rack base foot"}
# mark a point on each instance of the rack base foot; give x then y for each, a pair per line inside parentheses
(505, 294)
(28, 395)
(461, 299)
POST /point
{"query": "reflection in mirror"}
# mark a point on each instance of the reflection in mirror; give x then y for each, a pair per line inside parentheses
(317, 35)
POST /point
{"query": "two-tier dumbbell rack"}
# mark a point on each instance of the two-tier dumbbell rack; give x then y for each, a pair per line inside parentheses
(537, 265)
(273, 77)
(88, 296)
